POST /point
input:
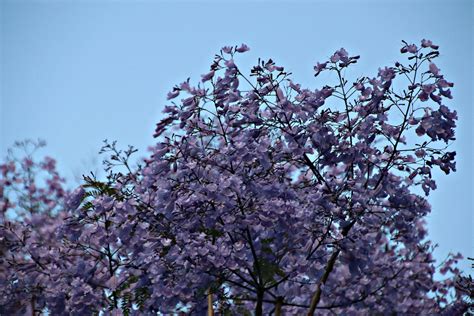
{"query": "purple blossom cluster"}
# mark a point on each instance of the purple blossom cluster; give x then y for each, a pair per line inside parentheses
(259, 196)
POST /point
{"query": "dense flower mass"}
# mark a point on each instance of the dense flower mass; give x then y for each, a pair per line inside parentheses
(260, 196)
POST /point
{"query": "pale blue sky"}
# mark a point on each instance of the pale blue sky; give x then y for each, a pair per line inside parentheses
(75, 73)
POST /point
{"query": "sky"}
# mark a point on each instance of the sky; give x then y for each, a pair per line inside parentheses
(76, 73)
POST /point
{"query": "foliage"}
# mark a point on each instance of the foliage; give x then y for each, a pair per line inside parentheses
(265, 194)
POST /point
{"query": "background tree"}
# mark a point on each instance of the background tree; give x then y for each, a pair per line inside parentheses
(31, 203)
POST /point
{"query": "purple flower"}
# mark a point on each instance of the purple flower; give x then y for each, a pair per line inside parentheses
(386, 74)
(242, 48)
(343, 55)
(434, 69)
(446, 93)
(173, 94)
(75, 198)
(161, 126)
(49, 164)
(296, 87)
(358, 86)
(423, 96)
(319, 67)
(412, 48)
(442, 83)
(230, 63)
(435, 98)
(207, 76)
(426, 43)
(409, 48)
(420, 153)
(340, 54)
(428, 88)
(227, 49)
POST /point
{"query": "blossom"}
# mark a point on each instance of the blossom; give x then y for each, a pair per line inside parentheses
(426, 43)
(340, 54)
(173, 94)
(242, 48)
(386, 74)
(227, 49)
(412, 48)
(207, 76)
(319, 67)
(434, 69)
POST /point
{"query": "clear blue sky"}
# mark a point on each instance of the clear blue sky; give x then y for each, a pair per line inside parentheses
(75, 73)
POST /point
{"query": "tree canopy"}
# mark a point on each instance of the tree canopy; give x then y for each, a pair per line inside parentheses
(259, 197)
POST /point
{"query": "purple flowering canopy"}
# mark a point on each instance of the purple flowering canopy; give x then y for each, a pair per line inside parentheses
(259, 197)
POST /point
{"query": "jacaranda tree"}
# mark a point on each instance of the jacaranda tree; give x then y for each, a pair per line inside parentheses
(259, 197)
(31, 209)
